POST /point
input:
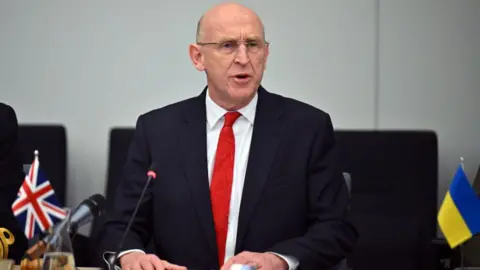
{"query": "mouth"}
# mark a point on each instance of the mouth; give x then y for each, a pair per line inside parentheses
(242, 78)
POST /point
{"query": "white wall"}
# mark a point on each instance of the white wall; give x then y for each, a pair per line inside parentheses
(93, 65)
(429, 71)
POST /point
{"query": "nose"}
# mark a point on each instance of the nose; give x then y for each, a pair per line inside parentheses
(241, 57)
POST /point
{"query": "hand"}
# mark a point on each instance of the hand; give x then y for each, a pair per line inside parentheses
(140, 261)
(262, 261)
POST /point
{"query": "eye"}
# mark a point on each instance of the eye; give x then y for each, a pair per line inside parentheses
(227, 44)
(252, 43)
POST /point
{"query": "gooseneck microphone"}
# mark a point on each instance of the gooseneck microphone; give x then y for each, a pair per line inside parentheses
(83, 214)
(114, 258)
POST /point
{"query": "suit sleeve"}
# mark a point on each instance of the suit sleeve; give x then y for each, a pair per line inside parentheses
(11, 167)
(11, 178)
(126, 198)
(330, 236)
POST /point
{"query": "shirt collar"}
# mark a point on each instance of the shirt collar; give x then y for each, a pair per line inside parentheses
(215, 112)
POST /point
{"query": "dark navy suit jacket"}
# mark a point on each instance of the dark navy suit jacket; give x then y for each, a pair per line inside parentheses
(294, 199)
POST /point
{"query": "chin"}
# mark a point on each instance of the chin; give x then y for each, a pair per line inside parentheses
(243, 92)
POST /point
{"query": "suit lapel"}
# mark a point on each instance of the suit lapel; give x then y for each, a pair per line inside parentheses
(193, 144)
(266, 137)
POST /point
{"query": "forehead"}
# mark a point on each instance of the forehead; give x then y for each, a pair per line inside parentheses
(241, 25)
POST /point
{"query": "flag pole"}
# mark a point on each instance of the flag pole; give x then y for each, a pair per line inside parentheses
(462, 255)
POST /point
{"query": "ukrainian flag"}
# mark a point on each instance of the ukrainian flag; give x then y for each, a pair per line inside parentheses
(459, 215)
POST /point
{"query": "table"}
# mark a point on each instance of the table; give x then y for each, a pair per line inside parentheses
(17, 267)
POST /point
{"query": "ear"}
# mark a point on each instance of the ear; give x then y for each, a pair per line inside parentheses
(196, 56)
(267, 52)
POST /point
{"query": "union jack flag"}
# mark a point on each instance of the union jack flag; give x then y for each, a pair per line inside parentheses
(36, 207)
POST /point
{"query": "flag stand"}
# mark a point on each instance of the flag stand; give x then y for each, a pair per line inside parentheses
(462, 253)
(462, 257)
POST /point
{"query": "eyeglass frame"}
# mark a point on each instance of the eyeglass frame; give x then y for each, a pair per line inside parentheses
(218, 44)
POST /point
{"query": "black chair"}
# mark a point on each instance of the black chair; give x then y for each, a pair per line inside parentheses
(51, 142)
(119, 144)
(393, 197)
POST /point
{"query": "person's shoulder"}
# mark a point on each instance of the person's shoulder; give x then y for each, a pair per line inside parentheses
(6, 109)
(8, 121)
(169, 112)
(298, 109)
(7, 114)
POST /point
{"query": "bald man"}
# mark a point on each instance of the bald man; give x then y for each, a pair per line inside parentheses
(245, 176)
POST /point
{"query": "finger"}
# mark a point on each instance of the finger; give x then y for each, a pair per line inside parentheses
(247, 258)
(250, 258)
(146, 264)
(262, 262)
(228, 264)
(135, 266)
(239, 259)
(156, 262)
(171, 266)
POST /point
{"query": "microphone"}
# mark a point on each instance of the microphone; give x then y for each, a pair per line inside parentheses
(112, 261)
(83, 214)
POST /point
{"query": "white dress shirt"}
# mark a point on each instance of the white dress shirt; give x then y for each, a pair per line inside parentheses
(242, 130)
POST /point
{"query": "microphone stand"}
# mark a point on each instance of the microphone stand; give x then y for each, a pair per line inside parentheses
(114, 258)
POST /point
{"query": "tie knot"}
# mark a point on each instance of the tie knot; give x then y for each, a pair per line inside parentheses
(230, 118)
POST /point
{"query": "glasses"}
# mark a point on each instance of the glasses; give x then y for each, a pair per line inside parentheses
(231, 46)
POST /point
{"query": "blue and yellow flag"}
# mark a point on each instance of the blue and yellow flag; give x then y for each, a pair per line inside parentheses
(459, 214)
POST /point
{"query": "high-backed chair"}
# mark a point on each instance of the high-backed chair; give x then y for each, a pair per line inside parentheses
(119, 145)
(51, 142)
(393, 198)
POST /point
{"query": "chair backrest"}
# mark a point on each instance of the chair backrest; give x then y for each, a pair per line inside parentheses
(120, 139)
(119, 145)
(51, 143)
(394, 196)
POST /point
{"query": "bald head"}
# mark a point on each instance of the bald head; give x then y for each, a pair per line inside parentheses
(226, 13)
(232, 51)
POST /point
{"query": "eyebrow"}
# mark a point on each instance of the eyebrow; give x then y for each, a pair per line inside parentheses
(253, 38)
(225, 39)
(250, 38)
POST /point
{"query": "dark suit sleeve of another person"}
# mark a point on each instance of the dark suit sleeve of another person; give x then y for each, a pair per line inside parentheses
(330, 235)
(11, 178)
(126, 198)
(11, 167)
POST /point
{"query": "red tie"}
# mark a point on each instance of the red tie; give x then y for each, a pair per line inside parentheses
(221, 186)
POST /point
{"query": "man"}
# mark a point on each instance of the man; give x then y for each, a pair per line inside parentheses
(12, 239)
(244, 176)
